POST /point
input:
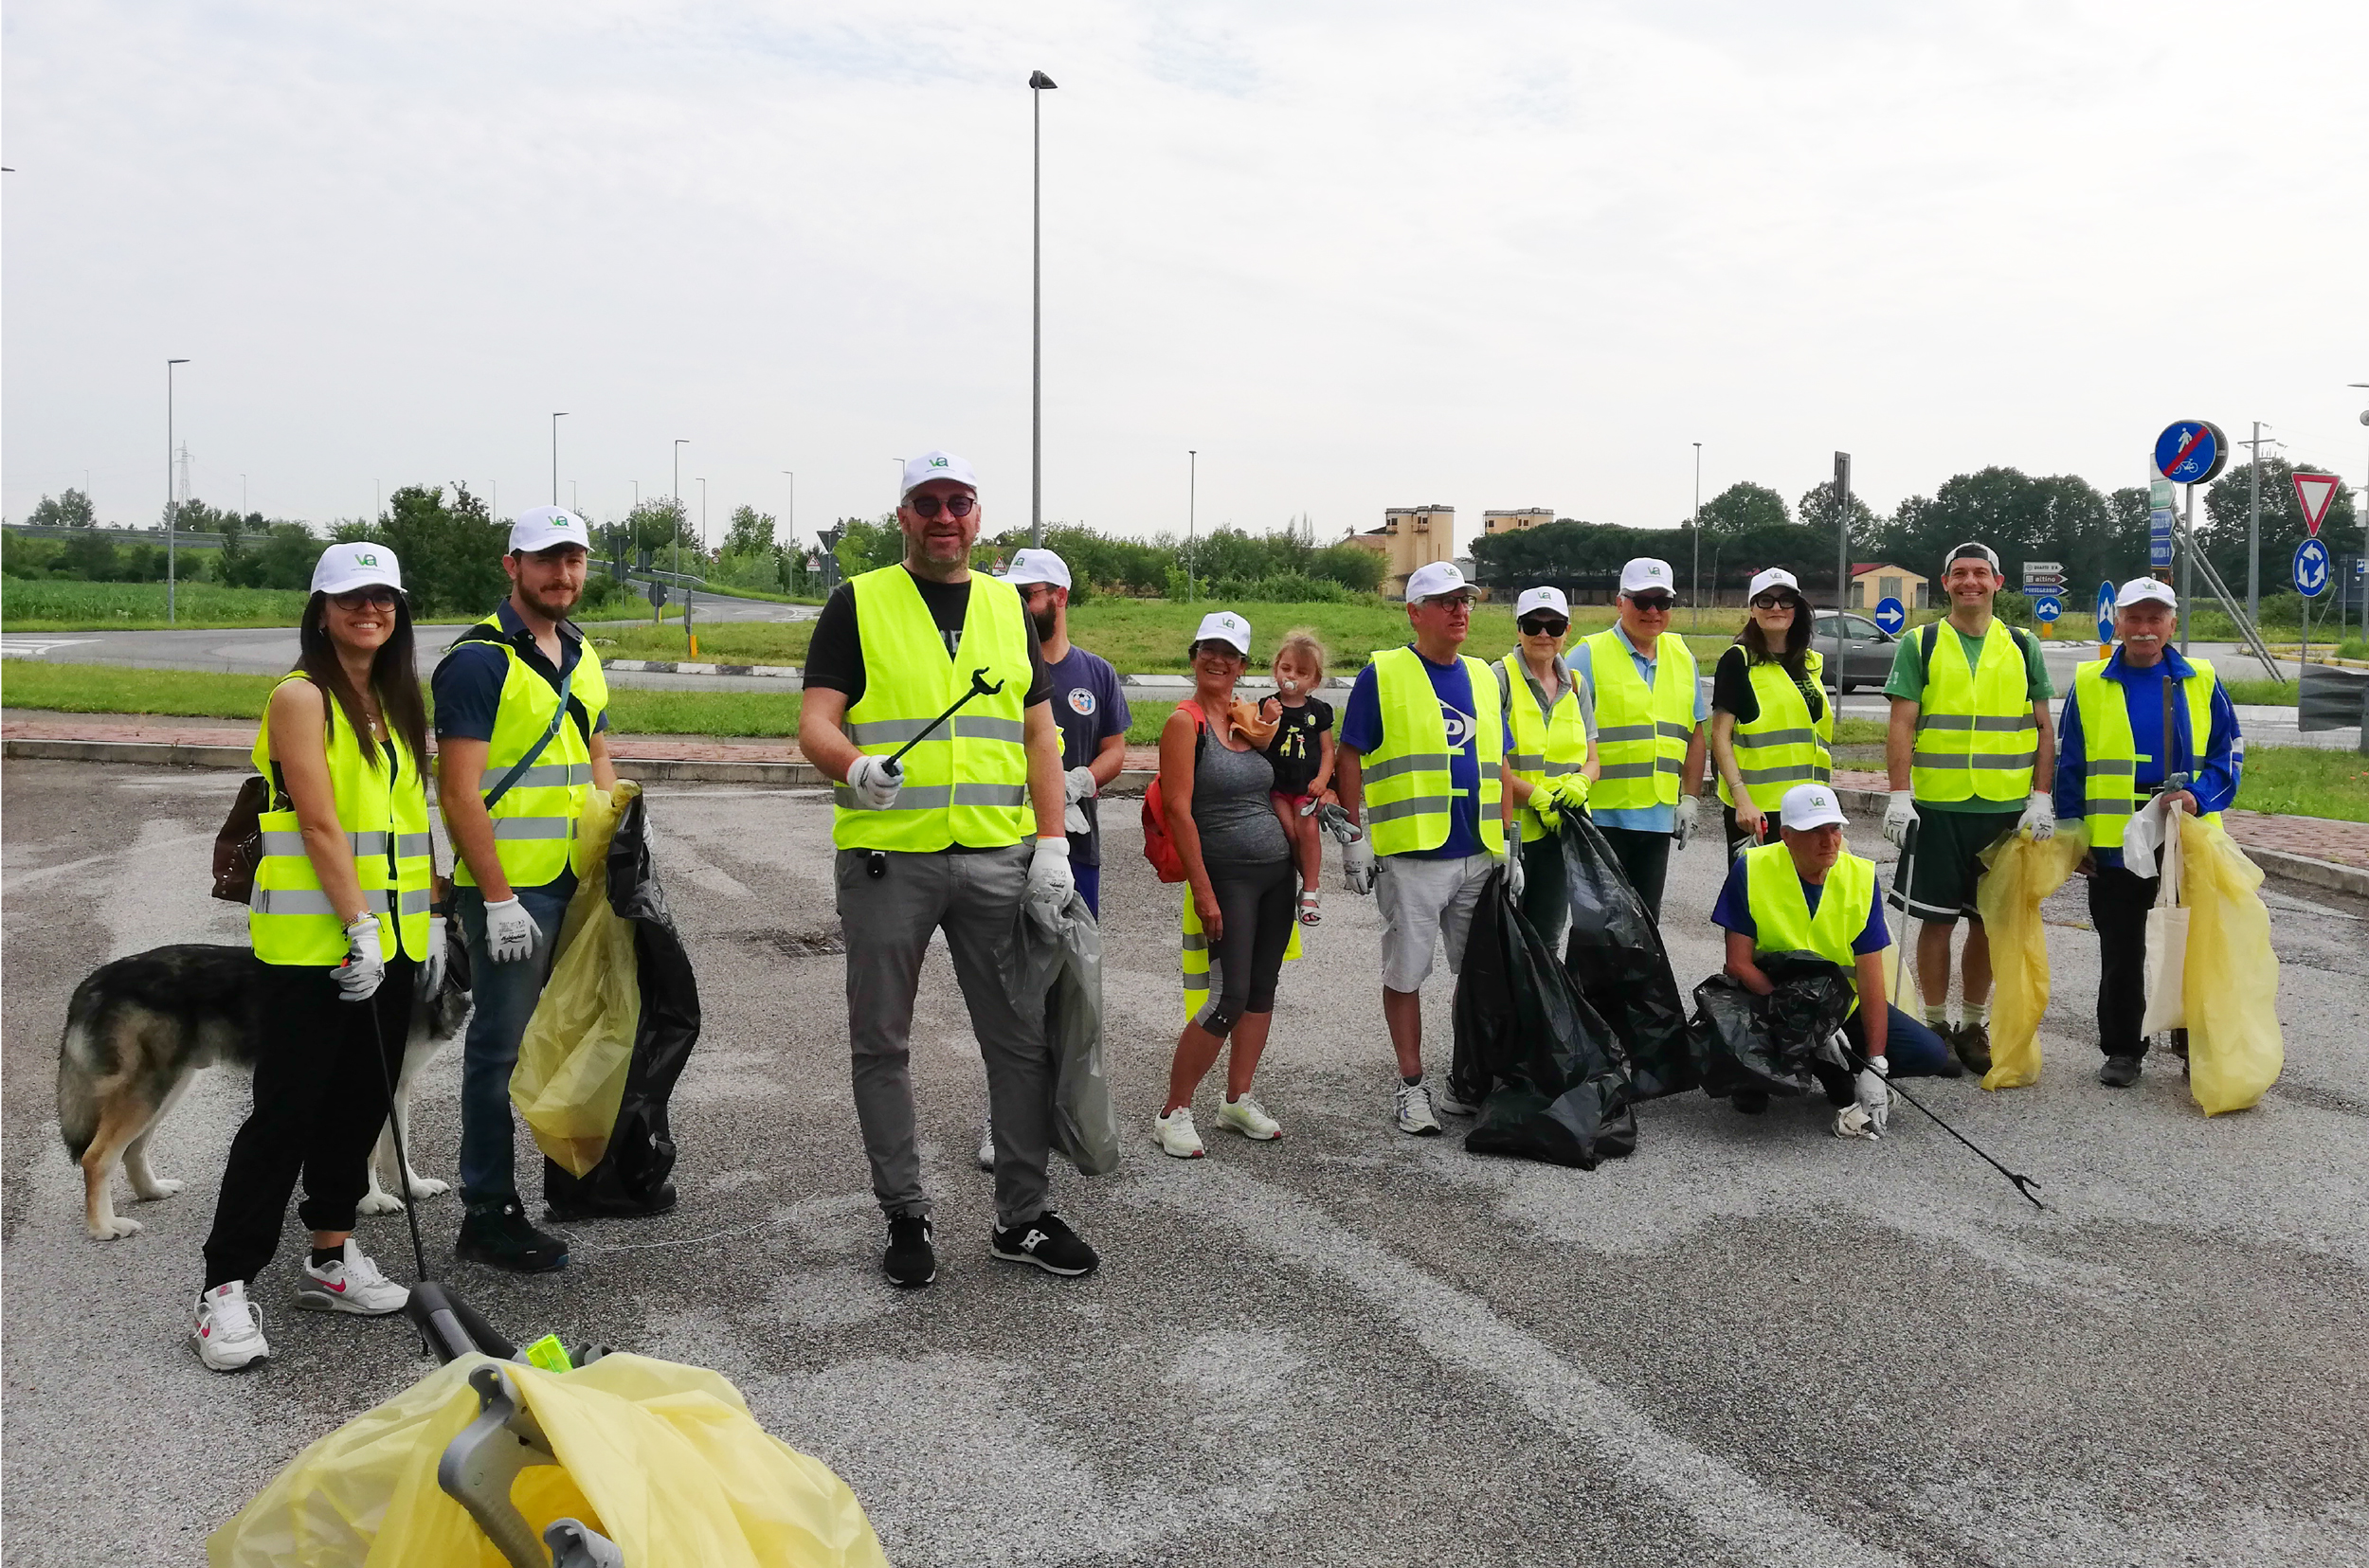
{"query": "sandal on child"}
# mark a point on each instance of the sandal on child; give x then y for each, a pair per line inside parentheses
(1311, 908)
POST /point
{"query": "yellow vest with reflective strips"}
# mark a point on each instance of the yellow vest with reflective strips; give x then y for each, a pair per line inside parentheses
(1545, 745)
(1975, 737)
(534, 822)
(2109, 761)
(1408, 785)
(1782, 920)
(968, 782)
(1641, 730)
(1782, 747)
(289, 918)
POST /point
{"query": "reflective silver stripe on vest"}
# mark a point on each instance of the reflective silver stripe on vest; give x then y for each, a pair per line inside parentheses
(980, 727)
(1774, 737)
(939, 797)
(1629, 770)
(361, 844)
(1488, 771)
(1609, 734)
(1675, 732)
(535, 827)
(1989, 723)
(1410, 761)
(2128, 768)
(541, 776)
(1556, 770)
(1666, 764)
(408, 845)
(1754, 777)
(314, 901)
(1415, 807)
(1527, 762)
(2013, 760)
(1196, 943)
(887, 731)
(2109, 808)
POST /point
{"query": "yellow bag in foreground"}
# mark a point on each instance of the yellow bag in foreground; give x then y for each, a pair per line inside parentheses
(2022, 872)
(2232, 977)
(663, 1459)
(570, 1075)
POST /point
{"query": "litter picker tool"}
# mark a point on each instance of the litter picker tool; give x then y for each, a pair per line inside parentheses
(979, 688)
(2024, 1185)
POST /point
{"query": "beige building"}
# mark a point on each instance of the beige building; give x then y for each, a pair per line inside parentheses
(1513, 522)
(1410, 536)
(1873, 581)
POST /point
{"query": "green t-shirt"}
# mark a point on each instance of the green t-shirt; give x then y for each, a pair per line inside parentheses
(1907, 680)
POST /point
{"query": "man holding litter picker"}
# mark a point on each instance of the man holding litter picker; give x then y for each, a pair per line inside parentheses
(928, 702)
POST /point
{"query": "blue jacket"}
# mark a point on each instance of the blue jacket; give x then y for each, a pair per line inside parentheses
(2214, 775)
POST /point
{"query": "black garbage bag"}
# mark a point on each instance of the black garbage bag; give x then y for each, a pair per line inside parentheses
(1615, 952)
(1541, 1064)
(1770, 1044)
(631, 1179)
(1066, 973)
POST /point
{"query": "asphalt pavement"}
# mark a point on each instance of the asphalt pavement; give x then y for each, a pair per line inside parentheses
(1749, 1343)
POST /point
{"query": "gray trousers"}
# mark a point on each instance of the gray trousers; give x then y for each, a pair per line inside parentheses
(975, 898)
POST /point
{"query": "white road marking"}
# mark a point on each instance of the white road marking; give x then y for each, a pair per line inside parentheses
(25, 646)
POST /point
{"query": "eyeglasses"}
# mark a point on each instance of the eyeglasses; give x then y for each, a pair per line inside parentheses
(1773, 601)
(956, 506)
(1448, 601)
(380, 598)
(1653, 603)
(1540, 625)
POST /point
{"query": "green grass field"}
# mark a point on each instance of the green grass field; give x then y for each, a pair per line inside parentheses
(62, 604)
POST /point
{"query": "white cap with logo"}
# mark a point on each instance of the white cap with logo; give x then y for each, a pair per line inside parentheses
(343, 568)
(1811, 805)
(936, 465)
(543, 528)
(1645, 575)
(1544, 597)
(1224, 626)
(1431, 580)
(1037, 565)
(2145, 590)
(1775, 577)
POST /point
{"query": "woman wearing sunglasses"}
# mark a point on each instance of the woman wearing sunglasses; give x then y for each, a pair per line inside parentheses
(339, 918)
(1553, 762)
(1771, 724)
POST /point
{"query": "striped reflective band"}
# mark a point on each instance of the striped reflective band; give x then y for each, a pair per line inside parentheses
(407, 844)
(1774, 737)
(1627, 770)
(1995, 724)
(541, 776)
(1527, 762)
(1414, 807)
(1754, 777)
(1674, 732)
(1611, 733)
(2126, 766)
(314, 901)
(2109, 808)
(969, 726)
(2012, 760)
(535, 827)
(1411, 762)
(938, 797)
(978, 727)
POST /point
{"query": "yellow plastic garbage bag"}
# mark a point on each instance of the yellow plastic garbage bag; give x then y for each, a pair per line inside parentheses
(663, 1459)
(573, 1057)
(2232, 977)
(2023, 872)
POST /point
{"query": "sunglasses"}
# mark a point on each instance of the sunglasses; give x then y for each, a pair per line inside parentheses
(956, 506)
(1653, 603)
(1541, 625)
(1773, 601)
(373, 599)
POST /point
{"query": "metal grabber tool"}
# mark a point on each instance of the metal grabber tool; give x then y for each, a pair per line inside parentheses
(979, 688)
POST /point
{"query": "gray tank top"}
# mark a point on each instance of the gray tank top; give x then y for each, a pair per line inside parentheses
(1232, 809)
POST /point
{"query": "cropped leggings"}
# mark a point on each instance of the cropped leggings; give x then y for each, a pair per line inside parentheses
(1256, 903)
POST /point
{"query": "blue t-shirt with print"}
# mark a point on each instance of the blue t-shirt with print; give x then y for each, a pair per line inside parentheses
(1361, 731)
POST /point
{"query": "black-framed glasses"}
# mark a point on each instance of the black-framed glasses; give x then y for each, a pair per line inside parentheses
(378, 597)
(1544, 625)
(1773, 601)
(1653, 603)
(956, 506)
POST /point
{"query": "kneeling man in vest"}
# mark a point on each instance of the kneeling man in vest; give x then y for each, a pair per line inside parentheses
(1808, 895)
(963, 835)
(2128, 734)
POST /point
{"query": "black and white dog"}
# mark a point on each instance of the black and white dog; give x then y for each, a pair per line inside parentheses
(140, 1028)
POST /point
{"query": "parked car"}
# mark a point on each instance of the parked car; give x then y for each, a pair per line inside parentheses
(1867, 650)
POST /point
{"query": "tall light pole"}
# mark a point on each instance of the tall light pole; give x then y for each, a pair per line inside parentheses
(680, 441)
(555, 419)
(173, 508)
(1842, 566)
(1192, 498)
(1038, 83)
(1698, 540)
(703, 516)
(793, 507)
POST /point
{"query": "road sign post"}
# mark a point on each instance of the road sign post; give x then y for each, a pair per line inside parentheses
(2106, 620)
(1891, 615)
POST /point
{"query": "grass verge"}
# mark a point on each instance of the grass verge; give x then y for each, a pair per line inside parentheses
(62, 604)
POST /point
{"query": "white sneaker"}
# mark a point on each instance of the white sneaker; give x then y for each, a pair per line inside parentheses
(226, 1335)
(1249, 1118)
(1444, 1098)
(1413, 1105)
(353, 1284)
(987, 1145)
(1174, 1133)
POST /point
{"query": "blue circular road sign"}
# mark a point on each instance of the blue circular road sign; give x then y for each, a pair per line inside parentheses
(2191, 451)
(2105, 612)
(2046, 606)
(1891, 615)
(2311, 568)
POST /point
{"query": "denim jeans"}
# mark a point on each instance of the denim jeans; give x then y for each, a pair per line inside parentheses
(504, 995)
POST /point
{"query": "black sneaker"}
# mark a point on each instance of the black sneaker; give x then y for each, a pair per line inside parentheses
(911, 1261)
(2119, 1071)
(1049, 1244)
(501, 1237)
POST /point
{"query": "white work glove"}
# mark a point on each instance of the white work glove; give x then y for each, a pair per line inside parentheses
(431, 974)
(1682, 823)
(1357, 866)
(2040, 816)
(1079, 785)
(510, 933)
(1050, 883)
(366, 962)
(1899, 815)
(1875, 1100)
(1512, 860)
(875, 781)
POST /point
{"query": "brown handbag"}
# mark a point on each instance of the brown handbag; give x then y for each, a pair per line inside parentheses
(238, 847)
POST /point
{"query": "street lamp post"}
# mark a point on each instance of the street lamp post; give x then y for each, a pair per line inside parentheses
(793, 507)
(172, 508)
(1192, 488)
(1698, 541)
(703, 517)
(555, 419)
(676, 519)
(1038, 82)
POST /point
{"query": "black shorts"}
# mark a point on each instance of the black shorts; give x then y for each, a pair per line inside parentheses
(1947, 861)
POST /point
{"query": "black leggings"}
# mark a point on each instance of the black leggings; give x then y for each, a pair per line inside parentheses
(1256, 903)
(321, 1099)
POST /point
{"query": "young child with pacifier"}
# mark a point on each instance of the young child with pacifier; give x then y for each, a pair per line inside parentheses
(1301, 752)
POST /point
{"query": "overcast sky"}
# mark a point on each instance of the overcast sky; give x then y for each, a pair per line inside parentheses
(1359, 255)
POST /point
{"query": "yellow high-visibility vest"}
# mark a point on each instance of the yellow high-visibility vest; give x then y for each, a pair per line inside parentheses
(384, 811)
(2109, 759)
(1195, 963)
(1782, 920)
(534, 822)
(1975, 737)
(1546, 745)
(1641, 730)
(1408, 783)
(966, 783)
(1782, 747)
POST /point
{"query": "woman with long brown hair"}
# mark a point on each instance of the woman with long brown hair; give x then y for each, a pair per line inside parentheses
(340, 919)
(1772, 726)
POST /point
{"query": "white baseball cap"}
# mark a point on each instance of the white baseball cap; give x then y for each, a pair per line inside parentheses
(343, 568)
(1811, 805)
(1645, 574)
(1775, 577)
(1542, 598)
(1430, 582)
(1972, 551)
(2145, 590)
(1224, 626)
(1037, 565)
(936, 465)
(545, 528)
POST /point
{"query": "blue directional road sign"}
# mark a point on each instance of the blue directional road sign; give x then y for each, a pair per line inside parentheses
(2191, 452)
(2105, 612)
(1891, 615)
(2046, 606)
(2160, 538)
(2311, 568)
